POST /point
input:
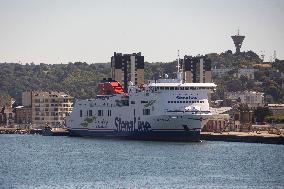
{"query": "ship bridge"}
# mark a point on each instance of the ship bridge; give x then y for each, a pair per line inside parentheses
(182, 86)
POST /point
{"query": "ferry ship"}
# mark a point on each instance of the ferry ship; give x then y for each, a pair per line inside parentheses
(164, 110)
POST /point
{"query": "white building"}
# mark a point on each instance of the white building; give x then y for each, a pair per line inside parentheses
(248, 72)
(220, 72)
(251, 98)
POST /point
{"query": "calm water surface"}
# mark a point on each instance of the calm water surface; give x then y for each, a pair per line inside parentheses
(33, 161)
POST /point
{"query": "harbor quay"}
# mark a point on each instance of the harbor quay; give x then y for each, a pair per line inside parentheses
(248, 137)
(44, 131)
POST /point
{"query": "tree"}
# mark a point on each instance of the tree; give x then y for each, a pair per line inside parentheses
(260, 113)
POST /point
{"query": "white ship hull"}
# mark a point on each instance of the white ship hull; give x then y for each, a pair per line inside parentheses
(154, 113)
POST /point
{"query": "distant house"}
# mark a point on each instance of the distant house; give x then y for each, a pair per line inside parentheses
(9, 115)
(276, 109)
(248, 72)
(23, 115)
(251, 98)
(220, 72)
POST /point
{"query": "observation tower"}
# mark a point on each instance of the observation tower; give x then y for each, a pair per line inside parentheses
(238, 40)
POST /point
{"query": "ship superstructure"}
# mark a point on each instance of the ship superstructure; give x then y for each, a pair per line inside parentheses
(165, 109)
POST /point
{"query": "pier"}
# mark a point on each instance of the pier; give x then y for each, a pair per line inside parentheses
(249, 137)
(44, 132)
(4, 130)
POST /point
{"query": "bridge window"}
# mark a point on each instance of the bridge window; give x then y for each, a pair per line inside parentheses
(171, 88)
(166, 88)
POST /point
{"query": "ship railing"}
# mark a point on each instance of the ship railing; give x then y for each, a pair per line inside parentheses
(192, 111)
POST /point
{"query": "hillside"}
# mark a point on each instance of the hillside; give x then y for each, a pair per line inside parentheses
(80, 79)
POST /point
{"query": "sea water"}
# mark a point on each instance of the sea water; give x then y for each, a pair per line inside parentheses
(34, 161)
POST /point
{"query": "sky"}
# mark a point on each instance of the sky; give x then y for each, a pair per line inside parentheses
(62, 31)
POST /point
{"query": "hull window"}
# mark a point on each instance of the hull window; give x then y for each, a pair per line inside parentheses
(146, 111)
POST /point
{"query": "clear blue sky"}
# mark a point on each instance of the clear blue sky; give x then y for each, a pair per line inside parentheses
(62, 31)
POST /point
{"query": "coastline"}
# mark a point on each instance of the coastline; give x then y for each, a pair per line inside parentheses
(248, 137)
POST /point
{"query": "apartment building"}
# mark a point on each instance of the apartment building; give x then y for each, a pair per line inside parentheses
(197, 69)
(127, 67)
(48, 108)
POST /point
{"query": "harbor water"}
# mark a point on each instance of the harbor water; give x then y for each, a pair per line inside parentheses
(34, 161)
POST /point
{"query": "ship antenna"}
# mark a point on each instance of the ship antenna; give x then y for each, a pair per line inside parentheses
(178, 66)
(179, 72)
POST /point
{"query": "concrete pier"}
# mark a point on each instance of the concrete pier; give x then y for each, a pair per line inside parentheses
(249, 137)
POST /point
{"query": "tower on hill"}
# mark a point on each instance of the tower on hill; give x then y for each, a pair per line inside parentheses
(238, 40)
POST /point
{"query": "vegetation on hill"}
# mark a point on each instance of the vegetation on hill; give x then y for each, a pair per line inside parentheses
(77, 79)
(230, 60)
(80, 79)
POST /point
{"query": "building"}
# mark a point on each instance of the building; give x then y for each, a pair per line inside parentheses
(251, 98)
(23, 115)
(127, 67)
(47, 108)
(8, 116)
(219, 121)
(26, 99)
(248, 72)
(276, 109)
(197, 69)
(220, 72)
